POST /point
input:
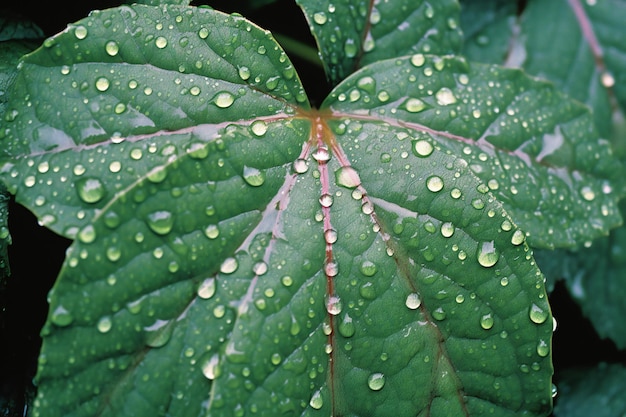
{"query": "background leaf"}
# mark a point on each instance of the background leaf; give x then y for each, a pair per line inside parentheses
(352, 34)
(236, 251)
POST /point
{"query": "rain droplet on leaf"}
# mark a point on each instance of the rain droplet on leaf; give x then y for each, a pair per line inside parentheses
(376, 381)
(487, 254)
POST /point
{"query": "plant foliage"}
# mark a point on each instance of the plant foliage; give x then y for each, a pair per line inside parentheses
(237, 251)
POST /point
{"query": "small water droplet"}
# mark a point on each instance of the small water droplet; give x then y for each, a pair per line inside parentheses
(445, 97)
(160, 42)
(368, 268)
(104, 324)
(229, 266)
(346, 326)
(447, 229)
(439, 314)
(87, 234)
(203, 33)
(259, 128)
(350, 48)
(212, 231)
(300, 166)
(333, 305)
(434, 183)
(223, 99)
(159, 333)
(111, 48)
(486, 321)
(347, 177)
(487, 254)
(587, 193)
(367, 291)
(253, 176)
(207, 289)
(316, 401)
(414, 105)
(413, 301)
(260, 268)
(537, 314)
(376, 381)
(330, 236)
(160, 222)
(418, 60)
(102, 84)
(422, 148)
(61, 317)
(90, 190)
(518, 237)
(320, 18)
(542, 348)
(326, 200)
(80, 32)
(211, 368)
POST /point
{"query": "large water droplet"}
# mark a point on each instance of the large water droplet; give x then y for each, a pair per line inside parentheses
(434, 183)
(316, 401)
(543, 349)
(413, 301)
(333, 305)
(518, 237)
(346, 327)
(320, 18)
(414, 105)
(487, 254)
(104, 324)
(368, 268)
(90, 190)
(486, 321)
(376, 381)
(300, 166)
(211, 368)
(80, 32)
(224, 99)
(229, 266)
(160, 42)
(159, 333)
(422, 148)
(61, 317)
(160, 222)
(102, 84)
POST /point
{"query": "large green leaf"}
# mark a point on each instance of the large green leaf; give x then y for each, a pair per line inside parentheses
(237, 252)
(351, 34)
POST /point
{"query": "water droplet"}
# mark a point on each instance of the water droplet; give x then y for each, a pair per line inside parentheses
(259, 128)
(160, 42)
(320, 18)
(316, 401)
(376, 381)
(537, 314)
(347, 177)
(587, 193)
(367, 291)
(160, 222)
(260, 268)
(212, 231)
(111, 48)
(61, 317)
(447, 229)
(346, 327)
(253, 176)
(330, 236)
(90, 190)
(608, 80)
(414, 105)
(300, 166)
(321, 154)
(211, 368)
(368, 268)
(418, 60)
(203, 33)
(487, 254)
(104, 324)
(223, 99)
(350, 48)
(102, 84)
(229, 266)
(518, 237)
(445, 96)
(80, 32)
(439, 314)
(207, 289)
(434, 183)
(413, 301)
(333, 305)
(422, 148)
(326, 200)
(87, 234)
(542, 348)
(486, 321)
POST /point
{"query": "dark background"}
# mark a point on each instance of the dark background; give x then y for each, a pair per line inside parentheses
(36, 254)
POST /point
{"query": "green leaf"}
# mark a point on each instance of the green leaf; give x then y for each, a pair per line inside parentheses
(595, 278)
(353, 34)
(236, 251)
(584, 57)
(598, 391)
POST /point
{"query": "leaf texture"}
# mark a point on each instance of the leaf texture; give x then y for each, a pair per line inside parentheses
(239, 252)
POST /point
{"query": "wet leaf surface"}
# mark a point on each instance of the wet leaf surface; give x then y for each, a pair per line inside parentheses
(236, 251)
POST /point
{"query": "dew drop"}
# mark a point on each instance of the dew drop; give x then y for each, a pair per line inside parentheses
(333, 305)
(316, 401)
(587, 193)
(434, 183)
(229, 266)
(102, 84)
(253, 176)
(90, 190)
(486, 321)
(350, 48)
(447, 229)
(487, 254)
(160, 222)
(445, 97)
(347, 177)
(211, 368)
(413, 301)
(87, 234)
(61, 317)
(376, 381)
(259, 128)
(321, 154)
(368, 268)
(320, 18)
(367, 291)
(326, 200)
(518, 237)
(160, 42)
(207, 289)
(439, 314)
(537, 314)
(422, 148)
(418, 60)
(330, 236)
(300, 166)
(260, 268)
(203, 33)
(414, 105)
(223, 99)
(80, 32)
(111, 48)
(104, 324)
(244, 73)
(212, 231)
(346, 326)
(542, 348)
